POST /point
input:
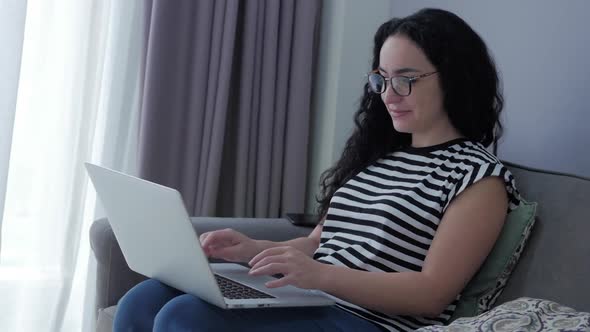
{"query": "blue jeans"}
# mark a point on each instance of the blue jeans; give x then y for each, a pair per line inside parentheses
(153, 306)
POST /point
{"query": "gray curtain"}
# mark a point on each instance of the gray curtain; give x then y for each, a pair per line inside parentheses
(226, 107)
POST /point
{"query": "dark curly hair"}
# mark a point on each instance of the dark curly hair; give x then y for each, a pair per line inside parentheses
(471, 89)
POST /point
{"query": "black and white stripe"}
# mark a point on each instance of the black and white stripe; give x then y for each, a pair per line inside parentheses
(384, 218)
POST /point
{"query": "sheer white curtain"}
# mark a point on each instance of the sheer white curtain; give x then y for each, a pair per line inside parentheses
(78, 100)
(12, 23)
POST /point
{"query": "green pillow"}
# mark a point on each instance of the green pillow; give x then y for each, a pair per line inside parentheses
(484, 288)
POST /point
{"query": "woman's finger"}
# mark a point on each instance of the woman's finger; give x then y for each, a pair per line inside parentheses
(268, 260)
(218, 238)
(270, 269)
(226, 253)
(203, 237)
(268, 252)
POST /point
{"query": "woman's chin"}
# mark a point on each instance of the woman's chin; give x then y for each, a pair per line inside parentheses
(401, 127)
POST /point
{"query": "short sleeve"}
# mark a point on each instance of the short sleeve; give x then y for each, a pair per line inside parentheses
(476, 173)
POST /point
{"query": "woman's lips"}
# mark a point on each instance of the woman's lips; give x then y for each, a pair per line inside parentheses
(398, 113)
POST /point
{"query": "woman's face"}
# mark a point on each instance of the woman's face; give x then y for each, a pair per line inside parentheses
(420, 113)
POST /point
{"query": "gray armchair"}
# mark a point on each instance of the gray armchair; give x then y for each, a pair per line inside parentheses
(554, 266)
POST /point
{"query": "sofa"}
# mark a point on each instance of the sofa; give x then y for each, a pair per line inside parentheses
(555, 264)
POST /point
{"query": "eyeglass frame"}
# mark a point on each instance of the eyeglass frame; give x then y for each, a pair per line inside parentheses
(411, 79)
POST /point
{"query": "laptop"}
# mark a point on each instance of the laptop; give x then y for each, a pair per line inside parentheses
(157, 239)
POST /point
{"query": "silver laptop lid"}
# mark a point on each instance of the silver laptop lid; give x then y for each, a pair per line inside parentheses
(139, 211)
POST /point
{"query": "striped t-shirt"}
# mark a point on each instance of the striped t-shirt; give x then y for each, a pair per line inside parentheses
(385, 217)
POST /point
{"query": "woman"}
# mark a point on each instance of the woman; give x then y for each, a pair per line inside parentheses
(411, 209)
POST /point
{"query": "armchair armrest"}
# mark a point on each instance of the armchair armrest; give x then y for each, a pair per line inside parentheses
(114, 278)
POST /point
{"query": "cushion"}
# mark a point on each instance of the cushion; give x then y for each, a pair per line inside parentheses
(522, 314)
(484, 288)
(105, 319)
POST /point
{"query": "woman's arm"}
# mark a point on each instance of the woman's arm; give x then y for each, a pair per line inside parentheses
(234, 246)
(307, 245)
(465, 236)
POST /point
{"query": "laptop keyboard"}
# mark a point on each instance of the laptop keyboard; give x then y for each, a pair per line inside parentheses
(234, 290)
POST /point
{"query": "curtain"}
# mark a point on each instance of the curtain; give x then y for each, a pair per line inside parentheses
(226, 105)
(78, 100)
(12, 27)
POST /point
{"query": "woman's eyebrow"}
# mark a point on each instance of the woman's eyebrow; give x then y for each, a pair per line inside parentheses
(401, 70)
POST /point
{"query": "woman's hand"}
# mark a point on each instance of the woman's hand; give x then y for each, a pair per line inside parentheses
(297, 268)
(229, 245)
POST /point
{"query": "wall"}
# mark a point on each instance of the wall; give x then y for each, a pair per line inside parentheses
(344, 57)
(542, 49)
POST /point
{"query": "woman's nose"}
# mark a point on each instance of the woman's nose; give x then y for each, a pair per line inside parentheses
(389, 96)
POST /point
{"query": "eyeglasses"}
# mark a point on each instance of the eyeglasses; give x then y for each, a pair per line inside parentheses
(401, 85)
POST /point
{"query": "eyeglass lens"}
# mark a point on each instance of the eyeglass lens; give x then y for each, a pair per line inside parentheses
(378, 84)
